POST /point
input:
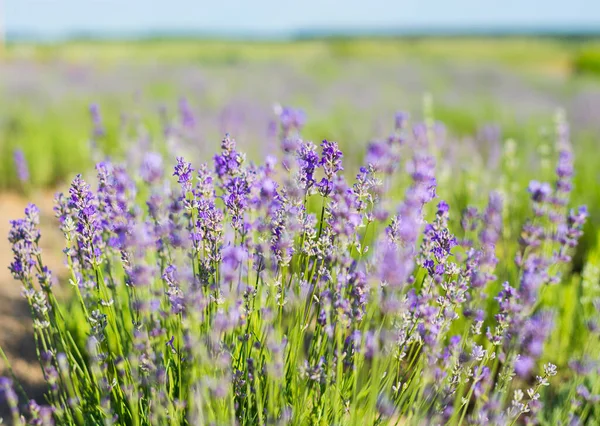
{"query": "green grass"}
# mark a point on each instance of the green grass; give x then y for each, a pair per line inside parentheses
(518, 52)
(587, 60)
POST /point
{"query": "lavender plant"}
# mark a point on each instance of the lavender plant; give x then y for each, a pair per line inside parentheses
(22, 169)
(283, 293)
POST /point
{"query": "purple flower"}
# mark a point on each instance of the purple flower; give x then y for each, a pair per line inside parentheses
(442, 208)
(183, 171)
(343, 218)
(308, 161)
(21, 165)
(174, 292)
(331, 159)
(291, 119)
(6, 388)
(524, 365)
(282, 227)
(232, 259)
(540, 192)
(565, 167)
(24, 237)
(236, 194)
(403, 232)
(381, 156)
(85, 207)
(394, 267)
(489, 236)
(97, 120)
(41, 415)
(480, 378)
(400, 120)
(117, 210)
(478, 352)
(151, 169)
(587, 396)
(188, 120)
(227, 164)
(470, 219)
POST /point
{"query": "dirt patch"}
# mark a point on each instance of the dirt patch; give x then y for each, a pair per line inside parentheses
(16, 333)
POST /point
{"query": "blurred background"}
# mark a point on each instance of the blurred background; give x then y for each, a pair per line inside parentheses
(490, 71)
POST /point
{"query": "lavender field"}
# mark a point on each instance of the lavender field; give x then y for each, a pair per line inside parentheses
(321, 232)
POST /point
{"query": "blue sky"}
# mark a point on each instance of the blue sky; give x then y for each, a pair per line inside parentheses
(58, 17)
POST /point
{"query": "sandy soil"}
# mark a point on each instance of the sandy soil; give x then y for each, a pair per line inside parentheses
(16, 337)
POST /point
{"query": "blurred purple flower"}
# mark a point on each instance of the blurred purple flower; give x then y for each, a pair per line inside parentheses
(99, 130)
(151, 169)
(187, 117)
(21, 165)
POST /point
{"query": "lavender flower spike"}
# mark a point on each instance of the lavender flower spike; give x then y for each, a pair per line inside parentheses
(21, 165)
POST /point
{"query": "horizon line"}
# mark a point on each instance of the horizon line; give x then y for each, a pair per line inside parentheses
(308, 33)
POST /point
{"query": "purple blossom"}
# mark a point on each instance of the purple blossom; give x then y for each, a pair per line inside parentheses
(116, 205)
(24, 237)
(227, 164)
(236, 195)
(308, 161)
(291, 119)
(438, 241)
(442, 208)
(6, 388)
(85, 207)
(400, 120)
(174, 292)
(41, 415)
(524, 365)
(187, 117)
(331, 163)
(21, 165)
(470, 219)
(99, 130)
(540, 192)
(183, 171)
(489, 236)
(232, 259)
(151, 169)
(382, 157)
(343, 218)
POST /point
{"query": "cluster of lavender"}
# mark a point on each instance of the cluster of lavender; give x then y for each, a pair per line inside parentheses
(282, 293)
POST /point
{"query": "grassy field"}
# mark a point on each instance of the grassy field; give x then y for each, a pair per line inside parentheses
(493, 111)
(515, 83)
(526, 53)
(47, 88)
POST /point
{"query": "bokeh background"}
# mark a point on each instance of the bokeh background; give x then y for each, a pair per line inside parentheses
(490, 71)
